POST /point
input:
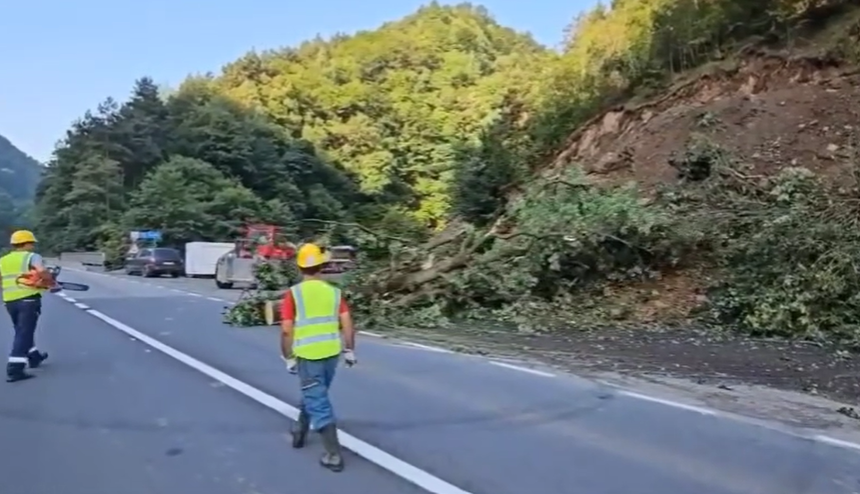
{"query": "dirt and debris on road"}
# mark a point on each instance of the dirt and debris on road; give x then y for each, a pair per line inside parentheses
(822, 385)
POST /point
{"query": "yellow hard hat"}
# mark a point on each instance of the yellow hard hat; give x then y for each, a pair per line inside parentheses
(22, 237)
(311, 255)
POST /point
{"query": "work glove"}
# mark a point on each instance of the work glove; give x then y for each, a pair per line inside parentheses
(349, 358)
(292, 364)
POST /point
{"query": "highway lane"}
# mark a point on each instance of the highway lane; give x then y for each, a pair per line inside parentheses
(493, 430)
(108, 415)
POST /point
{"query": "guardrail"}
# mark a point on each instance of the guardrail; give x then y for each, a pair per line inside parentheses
(85, 258)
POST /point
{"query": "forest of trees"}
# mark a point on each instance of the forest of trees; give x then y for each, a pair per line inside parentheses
(195, 166)
(423, 123)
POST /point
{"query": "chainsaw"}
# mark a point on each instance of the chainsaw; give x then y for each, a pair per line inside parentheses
(47, 280)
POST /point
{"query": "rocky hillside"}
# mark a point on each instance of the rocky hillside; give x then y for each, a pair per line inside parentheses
(19, 175)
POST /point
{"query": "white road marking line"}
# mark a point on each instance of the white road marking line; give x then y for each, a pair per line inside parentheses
(192, 294)
(82, 306)
(176, 290)
(371, 453)
(70, 299)
(426, 347)
(675, 404)
(371, 333)
(215, 299)
(522, 369)
(835, 442)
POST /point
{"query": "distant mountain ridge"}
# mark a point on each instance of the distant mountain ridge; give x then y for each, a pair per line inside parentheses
(19, 173)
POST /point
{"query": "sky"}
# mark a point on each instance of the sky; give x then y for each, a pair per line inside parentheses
(60, 58)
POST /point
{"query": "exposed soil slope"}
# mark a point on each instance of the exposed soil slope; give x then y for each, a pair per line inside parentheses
(768, 109)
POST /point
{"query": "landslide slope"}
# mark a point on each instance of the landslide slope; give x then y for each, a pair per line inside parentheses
(768, 111)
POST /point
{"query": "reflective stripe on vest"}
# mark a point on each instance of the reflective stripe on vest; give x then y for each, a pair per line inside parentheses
(317, 327)
(12, 266)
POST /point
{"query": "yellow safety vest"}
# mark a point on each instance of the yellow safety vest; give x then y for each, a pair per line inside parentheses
(12, 266)
(317, 327)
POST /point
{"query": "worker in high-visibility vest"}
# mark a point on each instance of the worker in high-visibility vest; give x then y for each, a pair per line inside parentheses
(316, 329)
(24, 304)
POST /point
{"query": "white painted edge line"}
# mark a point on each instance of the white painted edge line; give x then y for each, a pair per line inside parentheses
(426, 347)
(371, 453)
(371, 333)
(675, 404)
(192, 294)
(82, 306)
(70, 299)
(836, 442)
(522, 369)
(215, 299)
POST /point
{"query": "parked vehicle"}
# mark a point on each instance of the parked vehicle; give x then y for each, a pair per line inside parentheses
(343, 259)
(155, 262)
(259, 242)
(202, 257)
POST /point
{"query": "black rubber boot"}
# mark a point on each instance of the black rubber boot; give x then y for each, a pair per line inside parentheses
(35, 358)
(15, 372)
(332, 458)
(300, 429)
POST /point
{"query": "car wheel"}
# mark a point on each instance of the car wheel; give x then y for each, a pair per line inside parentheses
(222, 285)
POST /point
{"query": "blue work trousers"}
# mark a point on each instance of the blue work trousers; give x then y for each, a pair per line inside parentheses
(25, 314)
(316, 377)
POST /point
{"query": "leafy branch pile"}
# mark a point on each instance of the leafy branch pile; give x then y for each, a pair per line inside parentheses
(272, 276)
(563, 238)
(786, 247)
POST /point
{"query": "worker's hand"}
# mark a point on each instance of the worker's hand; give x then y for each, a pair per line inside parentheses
(292, 364)
(349, 358)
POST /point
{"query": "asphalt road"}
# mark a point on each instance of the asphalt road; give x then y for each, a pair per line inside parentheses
(112, 414)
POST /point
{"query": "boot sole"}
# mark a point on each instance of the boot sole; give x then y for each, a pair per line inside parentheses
(334, 468)
(35, 364)
(15, 379)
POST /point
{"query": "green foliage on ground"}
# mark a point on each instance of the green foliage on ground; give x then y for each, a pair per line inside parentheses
(787, 246)
(272, 276)
(420, 143)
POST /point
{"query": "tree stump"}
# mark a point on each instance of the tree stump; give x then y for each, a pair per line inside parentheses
(272, 312)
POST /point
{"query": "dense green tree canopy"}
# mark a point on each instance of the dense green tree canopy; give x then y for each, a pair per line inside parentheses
(393, 105)
(197, 166)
